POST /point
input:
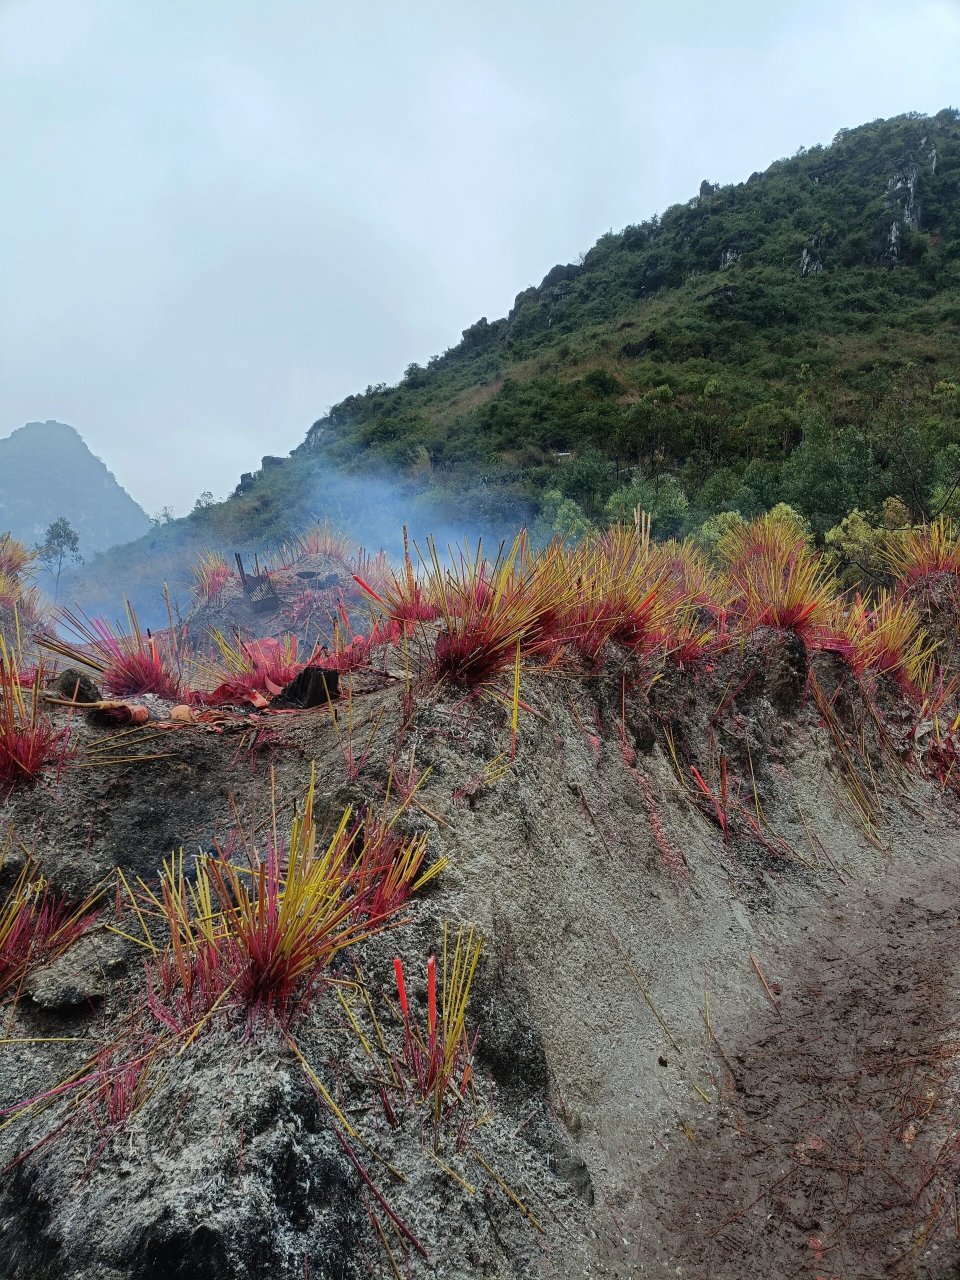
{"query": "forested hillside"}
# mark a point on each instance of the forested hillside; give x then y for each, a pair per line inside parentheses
(793, 338)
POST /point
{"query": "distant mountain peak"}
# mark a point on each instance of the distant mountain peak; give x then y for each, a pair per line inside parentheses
(51, 428)
(48, 471)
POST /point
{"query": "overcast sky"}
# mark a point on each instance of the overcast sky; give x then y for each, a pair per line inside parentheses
(221, 216)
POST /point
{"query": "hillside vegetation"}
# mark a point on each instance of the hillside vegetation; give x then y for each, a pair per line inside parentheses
(718, 356)
(790, 338)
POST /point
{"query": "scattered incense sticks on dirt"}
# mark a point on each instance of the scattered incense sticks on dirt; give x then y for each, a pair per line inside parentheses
(620, 691)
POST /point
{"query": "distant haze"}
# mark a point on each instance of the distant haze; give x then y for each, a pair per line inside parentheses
(47, 472)
(221, 217)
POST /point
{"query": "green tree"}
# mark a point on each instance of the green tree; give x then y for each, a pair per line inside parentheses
(826, 474)
(560, 517)
(587, 479)
(661, 497)
(60, 546)
(713, 529)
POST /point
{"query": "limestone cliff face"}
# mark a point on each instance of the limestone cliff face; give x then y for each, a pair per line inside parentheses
(902, 194)
(47, 471)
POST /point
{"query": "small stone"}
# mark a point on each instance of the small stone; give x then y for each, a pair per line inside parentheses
(313, 687)
(76, 686)
(82, 975)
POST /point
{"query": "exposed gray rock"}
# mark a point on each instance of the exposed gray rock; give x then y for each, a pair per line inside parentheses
(82, 974)
(810, 264)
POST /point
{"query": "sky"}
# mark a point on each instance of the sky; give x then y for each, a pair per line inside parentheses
(222, 216)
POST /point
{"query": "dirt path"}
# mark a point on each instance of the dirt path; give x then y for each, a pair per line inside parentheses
(837, 1151)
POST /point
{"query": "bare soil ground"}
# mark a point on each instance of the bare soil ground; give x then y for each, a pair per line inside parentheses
(836, 1149)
